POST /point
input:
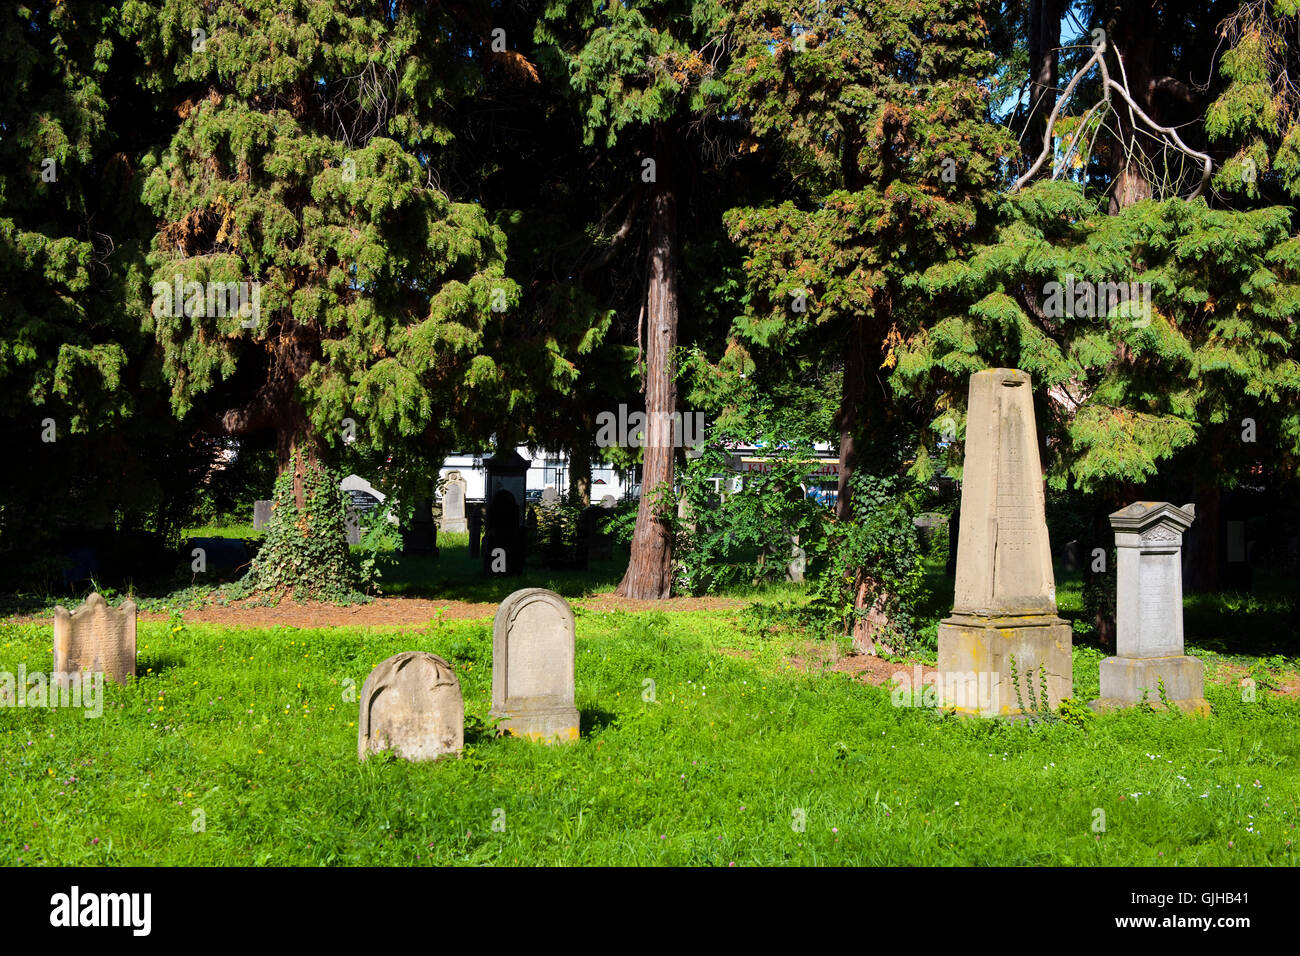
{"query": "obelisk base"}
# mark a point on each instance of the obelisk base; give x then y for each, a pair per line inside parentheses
(976, 663)
(1129, 681)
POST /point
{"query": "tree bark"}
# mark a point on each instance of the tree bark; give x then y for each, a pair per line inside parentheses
(649, 571)
(580, 473)
(1044, 43)
(848, 418)
(1132, 33)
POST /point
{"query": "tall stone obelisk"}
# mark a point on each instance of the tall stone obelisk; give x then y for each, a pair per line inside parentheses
(1004, 606)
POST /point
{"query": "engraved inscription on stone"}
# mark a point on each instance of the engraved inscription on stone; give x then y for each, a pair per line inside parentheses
(95, 638)
(533, 657)
(1159, 603)
(536, 666)
(1015, 565)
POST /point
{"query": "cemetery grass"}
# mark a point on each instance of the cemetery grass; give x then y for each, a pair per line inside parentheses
(238, 747)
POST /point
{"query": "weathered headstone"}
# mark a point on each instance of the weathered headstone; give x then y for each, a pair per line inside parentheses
(411, 704)
(1149, 612)
(261, 514)
(95, 638)
(798, 564)
(608, 501)
(550, 496)
(453, 503)
(1004, 606)
(533, 658)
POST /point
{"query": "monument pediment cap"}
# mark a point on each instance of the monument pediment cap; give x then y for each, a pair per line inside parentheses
(1141, 515)
(507, 460)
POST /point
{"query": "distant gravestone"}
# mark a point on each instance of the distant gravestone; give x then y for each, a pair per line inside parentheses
(475, 522)
(798, 562)
(550, 496)
(1070, 556)
(1004, 606)
(599, 546)
(261, 514)
(411, 704)
(533, 658)
(420, 537)
(1149, 612)
(928, 527)
(453, 503)
(502, 549)
(95, 638)
(608, 501)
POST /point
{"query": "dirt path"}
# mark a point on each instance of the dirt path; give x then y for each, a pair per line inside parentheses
(396, 611)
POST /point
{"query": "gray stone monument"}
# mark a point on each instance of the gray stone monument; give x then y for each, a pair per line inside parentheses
(798, 564)
(550, 496)
(608, 501)
(1149, 612)
(95, 638)
(411, 704)
(261, 514)
(533, 658)
(453, 503)
(1004, 606)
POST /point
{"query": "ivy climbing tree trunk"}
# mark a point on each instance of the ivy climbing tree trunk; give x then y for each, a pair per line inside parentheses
(649, 570)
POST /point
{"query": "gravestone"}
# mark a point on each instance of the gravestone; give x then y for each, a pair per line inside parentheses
(421, 536)
(1070, 556)
(453, 503)
(928, 528)
(411, 704)
(1149, 612)
(95, 638)
(798, 561)
(261, 514)
(608, 501)
(1004, 606)
(475, 523)
(505, 471)
(533, 657)
(502, 550)
(550, 496)
(599, 546)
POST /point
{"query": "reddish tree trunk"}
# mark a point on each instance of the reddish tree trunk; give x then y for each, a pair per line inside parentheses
(849, 417)
(649, 572)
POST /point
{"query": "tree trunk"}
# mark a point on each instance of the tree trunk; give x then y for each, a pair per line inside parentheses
(580, 473)
(1044, 42)
(297, 447)
(848, 417)
(649, 571)
(1132, 34)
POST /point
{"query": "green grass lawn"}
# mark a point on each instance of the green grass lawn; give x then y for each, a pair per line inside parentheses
(250, 734)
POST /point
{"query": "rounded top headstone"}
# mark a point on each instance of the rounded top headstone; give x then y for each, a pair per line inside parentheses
(411, 704)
